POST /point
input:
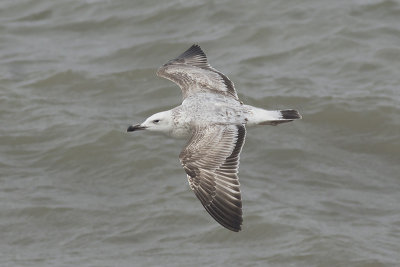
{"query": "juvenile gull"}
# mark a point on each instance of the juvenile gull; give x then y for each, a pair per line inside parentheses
(214, 120)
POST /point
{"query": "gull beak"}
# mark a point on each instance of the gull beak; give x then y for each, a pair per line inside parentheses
(136, 127)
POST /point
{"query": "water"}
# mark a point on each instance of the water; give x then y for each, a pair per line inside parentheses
(77, 190)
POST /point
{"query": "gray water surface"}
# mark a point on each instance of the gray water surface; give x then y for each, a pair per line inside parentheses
(77, 190)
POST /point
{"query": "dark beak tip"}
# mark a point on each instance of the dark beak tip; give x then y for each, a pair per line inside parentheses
(133, 128)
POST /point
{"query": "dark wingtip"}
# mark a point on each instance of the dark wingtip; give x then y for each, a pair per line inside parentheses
(193, 51)
(236, 229)
(193, 56)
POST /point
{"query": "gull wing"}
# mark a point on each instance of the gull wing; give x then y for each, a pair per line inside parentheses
(211, 161)
(192, 73)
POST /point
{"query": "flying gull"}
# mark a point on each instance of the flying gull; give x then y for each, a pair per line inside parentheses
(214, 120)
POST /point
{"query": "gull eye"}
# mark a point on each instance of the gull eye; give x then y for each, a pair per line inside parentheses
(156, 121)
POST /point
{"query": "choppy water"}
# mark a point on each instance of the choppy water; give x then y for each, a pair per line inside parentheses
(77, 190)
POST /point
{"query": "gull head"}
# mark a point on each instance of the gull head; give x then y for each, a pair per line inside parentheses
(159, 122)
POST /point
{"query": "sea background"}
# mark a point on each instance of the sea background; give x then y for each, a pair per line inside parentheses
(77, 190)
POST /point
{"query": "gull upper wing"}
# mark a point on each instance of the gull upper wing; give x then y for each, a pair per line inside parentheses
(211, 161)
(193, 74)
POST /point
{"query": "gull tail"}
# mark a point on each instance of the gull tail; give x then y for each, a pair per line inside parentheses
(272, 117)
(283, 116)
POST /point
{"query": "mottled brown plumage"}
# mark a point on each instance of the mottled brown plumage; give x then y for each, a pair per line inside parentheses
(214, 120)
(211, 161)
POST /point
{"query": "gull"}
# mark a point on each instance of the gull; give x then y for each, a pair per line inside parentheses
(214, 121)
